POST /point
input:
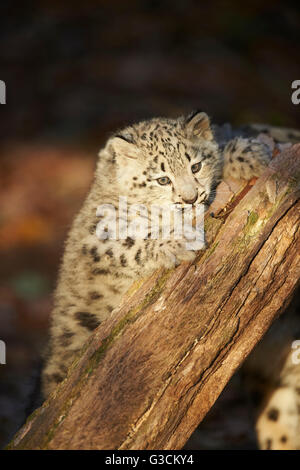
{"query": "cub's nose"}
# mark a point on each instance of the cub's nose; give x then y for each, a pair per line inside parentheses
(191, 201)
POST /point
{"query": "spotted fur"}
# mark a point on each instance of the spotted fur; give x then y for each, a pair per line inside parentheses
(272, 374)
(96, 273)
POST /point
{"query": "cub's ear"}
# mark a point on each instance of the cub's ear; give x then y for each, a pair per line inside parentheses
(197, 125)
(123, 147)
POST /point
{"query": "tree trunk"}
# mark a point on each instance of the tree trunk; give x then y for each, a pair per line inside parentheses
(149, 374)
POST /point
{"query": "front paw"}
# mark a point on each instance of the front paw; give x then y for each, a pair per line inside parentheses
(188, 256)
(178, 252)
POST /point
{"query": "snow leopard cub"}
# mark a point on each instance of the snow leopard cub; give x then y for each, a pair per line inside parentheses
(159, 161)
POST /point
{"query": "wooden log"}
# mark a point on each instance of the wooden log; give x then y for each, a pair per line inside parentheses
(150, 373)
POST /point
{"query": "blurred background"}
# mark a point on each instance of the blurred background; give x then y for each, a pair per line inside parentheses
(75, 72)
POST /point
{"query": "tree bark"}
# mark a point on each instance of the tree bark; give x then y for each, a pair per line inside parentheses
(148, 375)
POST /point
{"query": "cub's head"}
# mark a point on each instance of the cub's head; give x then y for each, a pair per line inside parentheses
(163, 161)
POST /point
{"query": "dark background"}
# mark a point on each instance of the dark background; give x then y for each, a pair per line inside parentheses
(75, 72)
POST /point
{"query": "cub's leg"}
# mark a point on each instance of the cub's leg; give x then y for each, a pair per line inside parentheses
(278, 424)
(272, 376)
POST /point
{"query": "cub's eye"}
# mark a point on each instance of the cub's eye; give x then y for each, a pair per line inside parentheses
(196, 167)
(163, 180)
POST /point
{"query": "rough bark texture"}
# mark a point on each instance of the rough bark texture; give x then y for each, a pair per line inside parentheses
(148, 376)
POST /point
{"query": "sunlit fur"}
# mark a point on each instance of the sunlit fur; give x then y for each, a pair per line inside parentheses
(156, 148)
(96, 273)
